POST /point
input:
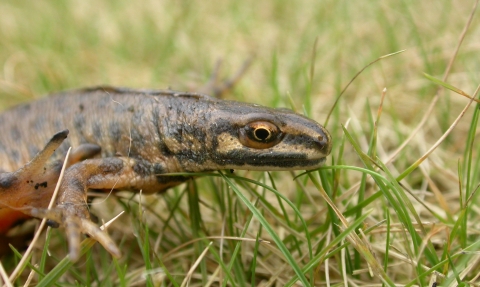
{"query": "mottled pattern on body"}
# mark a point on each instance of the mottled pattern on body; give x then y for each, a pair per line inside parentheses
(126, 139)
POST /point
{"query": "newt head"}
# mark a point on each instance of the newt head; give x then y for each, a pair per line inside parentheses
(253, 137)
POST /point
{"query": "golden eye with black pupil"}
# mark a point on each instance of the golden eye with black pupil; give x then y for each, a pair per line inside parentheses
(260, 135)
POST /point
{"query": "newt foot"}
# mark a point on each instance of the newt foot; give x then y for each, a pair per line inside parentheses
(71, 210)
(75, 219)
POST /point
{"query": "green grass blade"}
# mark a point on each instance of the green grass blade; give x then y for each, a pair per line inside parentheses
(269, 229)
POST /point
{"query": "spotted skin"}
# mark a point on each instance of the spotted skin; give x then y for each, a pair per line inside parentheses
(127, 139)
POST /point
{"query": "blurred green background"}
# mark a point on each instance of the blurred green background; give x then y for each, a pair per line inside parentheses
(53, 45)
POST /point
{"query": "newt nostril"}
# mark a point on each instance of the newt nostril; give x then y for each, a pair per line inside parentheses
(52, 223)
(323, 143)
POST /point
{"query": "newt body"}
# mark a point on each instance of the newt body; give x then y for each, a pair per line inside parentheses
(127, 139)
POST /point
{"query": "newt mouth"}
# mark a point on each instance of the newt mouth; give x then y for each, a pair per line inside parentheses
(270, 161)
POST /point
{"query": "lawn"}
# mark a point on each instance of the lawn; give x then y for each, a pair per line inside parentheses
(395, 205)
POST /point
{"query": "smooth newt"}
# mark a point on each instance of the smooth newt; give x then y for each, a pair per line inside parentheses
(127, 139)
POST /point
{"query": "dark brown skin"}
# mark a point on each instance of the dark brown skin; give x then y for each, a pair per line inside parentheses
(127, 139)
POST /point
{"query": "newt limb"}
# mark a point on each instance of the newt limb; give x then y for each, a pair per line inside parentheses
(71, 211)
(30, 184)
(72, 218)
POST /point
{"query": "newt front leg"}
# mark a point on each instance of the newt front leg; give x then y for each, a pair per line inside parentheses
(111, 173)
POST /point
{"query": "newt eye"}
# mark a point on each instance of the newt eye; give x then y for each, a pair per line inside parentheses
(260, 135)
